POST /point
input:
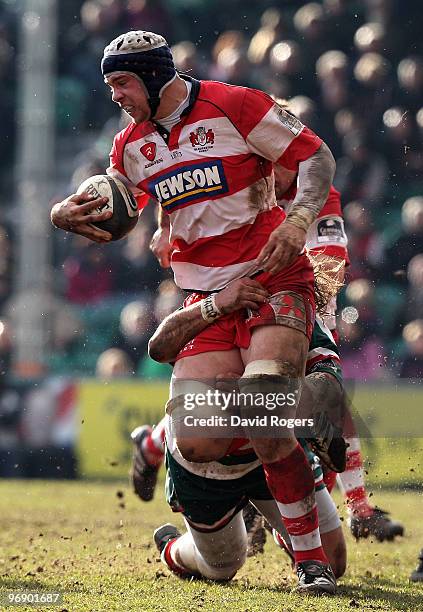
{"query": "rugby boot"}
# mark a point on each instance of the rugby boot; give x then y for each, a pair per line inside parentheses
(378, 524)
(417, 575)
(164, 537)
(315, 577)
(143, 475)
(256, 534)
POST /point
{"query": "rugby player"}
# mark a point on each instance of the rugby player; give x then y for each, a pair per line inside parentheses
(206, 151)
(197, 489)
(211, 495)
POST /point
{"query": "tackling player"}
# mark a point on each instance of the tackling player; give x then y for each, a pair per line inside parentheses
(211, 495)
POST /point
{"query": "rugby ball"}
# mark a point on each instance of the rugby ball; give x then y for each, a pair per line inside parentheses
(121, 202)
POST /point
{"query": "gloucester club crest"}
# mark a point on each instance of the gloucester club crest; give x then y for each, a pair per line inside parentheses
(202, 138)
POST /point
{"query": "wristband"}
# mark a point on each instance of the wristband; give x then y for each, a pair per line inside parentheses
(209, 311)
(299, 220)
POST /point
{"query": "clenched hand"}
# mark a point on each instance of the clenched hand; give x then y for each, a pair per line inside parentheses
(160, 246)
(74, 214)
(285, 244)
(241, 293)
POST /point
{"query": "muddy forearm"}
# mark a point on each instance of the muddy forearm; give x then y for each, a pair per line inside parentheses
(315, 177)
(175, 332)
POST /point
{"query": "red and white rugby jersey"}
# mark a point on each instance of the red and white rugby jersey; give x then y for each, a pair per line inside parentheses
(213, 175)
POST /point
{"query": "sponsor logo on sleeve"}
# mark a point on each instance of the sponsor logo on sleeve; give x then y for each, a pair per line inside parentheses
(293, 124)
(331, 230)
(189, 184)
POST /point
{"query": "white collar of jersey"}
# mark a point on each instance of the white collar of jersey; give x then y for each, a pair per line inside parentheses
(168, 122)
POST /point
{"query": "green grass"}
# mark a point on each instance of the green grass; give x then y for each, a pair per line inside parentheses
(93, 542)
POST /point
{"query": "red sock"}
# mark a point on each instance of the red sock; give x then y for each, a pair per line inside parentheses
(153, 455)
(352, 484)
(291, 483)
(171, 563)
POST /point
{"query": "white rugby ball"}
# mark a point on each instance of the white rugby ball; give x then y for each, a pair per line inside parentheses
(121, 202)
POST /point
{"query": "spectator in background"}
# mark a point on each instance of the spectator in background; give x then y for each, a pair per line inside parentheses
(310, 23)
(114, 363)
(286, 65)
(169, 298)
(361, 174)
(380, 11)
(332, 74)
(136, 327)
(348, 121)
(232, 44)
(375, 86)
(80, 48)
(67, 329)
(363, 241)
(341, 23)
(402, 146)
(370, 38)
(233, 67)
(187, 59)
(273, 27)
(137, 270)
(412, 366)
(230, 61)
(360, 293)
(149, 15)
(89, 273)
(305, 109)
(413, 306)
(410, 81)
(410, 243)
(332, 78)
(362, 353)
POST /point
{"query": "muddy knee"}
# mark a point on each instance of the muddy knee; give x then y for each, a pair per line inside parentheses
(271, 389)
(195, 441)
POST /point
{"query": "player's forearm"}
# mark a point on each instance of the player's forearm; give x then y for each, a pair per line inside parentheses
(174, 332)
(315, 176)
(181, 326)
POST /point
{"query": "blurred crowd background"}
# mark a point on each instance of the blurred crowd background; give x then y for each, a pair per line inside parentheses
(353, 72)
